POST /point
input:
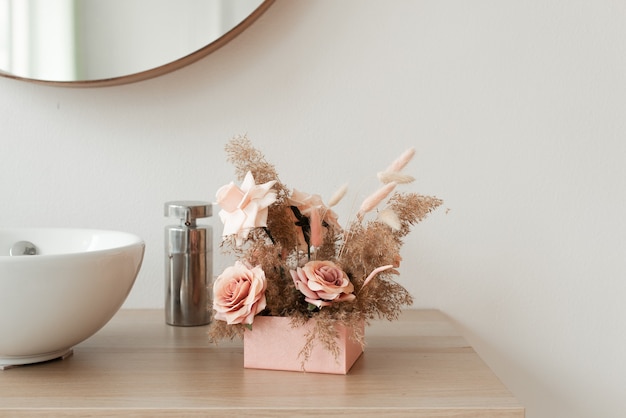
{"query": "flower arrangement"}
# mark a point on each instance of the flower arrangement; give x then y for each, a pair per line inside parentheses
(295, 260)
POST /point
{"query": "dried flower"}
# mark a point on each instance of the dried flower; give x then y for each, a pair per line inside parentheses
(389, 217)
(399, 163)
(339, 194)
(394, 176)
(312, 214)
(316, 228)
(307, 264)
(375, 198)
(375, 272)
(323, 283)
(392, 173)
(239, 294)
(306, 203)
(246, 207)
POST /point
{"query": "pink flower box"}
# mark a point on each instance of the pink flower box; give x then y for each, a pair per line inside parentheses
(275, 345)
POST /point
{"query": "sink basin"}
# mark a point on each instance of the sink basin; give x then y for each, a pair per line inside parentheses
(69, 284)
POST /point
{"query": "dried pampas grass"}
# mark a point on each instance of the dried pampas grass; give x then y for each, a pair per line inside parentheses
(367, 251)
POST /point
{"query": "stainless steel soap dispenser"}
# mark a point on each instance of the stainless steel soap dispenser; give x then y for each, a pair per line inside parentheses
(188, 264)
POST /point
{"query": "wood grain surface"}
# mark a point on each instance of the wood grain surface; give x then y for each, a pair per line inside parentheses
(138, 366)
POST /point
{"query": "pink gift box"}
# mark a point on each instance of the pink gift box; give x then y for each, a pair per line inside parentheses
(274, 344)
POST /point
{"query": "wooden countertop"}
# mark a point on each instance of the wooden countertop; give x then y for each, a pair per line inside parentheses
(137, 366)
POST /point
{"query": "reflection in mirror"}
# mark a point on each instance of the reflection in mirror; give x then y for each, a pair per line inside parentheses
(91, 40)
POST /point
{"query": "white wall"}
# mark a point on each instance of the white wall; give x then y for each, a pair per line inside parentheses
(516, 109)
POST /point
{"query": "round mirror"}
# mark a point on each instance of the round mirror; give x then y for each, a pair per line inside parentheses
(107, 42)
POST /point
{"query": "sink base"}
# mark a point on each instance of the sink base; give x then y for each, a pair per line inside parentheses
(10, 362)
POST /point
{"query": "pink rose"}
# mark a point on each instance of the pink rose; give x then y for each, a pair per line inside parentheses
(323, 283)
(239, 294)
(245, 207)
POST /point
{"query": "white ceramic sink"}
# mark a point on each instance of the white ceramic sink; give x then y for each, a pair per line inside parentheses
(66, 292)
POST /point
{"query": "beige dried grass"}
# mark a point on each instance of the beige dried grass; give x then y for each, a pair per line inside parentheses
(360, 250)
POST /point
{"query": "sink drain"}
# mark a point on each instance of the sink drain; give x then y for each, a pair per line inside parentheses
(23, 248)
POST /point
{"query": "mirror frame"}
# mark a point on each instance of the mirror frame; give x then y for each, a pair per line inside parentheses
(162, 69)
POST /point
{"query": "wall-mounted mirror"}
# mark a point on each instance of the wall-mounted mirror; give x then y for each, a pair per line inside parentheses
(108, 42)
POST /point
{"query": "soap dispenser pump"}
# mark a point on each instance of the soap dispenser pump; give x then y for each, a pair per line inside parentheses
(188, 264)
